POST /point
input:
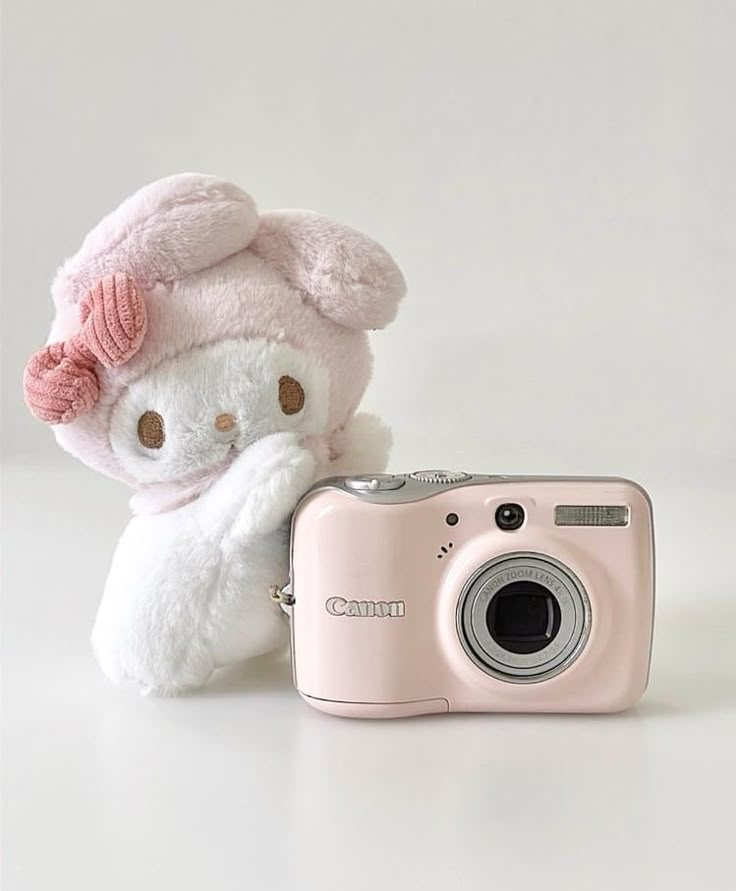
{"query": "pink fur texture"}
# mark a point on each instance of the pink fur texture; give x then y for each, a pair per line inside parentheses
(207, 268)
(350, 278)
(165, 231)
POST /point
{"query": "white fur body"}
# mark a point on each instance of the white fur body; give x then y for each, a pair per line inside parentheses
(188, 588)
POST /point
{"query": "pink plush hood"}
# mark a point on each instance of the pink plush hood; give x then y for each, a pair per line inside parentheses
(188, 261)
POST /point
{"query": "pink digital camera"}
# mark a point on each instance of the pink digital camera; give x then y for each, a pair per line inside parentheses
(437, 591)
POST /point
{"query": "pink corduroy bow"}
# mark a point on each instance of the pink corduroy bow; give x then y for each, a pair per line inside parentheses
(60, 382)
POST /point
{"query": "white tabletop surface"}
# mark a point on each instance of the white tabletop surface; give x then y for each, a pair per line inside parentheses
(243, 786)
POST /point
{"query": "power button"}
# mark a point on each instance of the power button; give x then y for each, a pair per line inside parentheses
(377, 482)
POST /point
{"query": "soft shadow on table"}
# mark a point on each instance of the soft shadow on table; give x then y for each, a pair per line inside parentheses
(265, 674)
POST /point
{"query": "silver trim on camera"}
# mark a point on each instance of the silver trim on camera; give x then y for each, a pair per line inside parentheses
(493, 577)
(376, 482)
(408, 488)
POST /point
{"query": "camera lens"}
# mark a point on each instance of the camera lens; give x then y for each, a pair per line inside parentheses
(523, 617)
(452, 519)
(510, 517)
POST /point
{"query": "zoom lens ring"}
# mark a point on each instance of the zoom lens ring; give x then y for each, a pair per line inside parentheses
(487, 582)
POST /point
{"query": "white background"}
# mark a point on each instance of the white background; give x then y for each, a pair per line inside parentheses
(556, 180)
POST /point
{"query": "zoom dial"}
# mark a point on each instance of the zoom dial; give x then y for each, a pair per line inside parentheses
(439, 477)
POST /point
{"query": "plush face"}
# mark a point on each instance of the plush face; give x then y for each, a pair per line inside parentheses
(191, 415)
(189, 261)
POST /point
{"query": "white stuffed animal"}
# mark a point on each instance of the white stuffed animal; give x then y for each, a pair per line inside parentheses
(213, 359)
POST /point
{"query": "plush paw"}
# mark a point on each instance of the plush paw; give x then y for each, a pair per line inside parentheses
(285, 473)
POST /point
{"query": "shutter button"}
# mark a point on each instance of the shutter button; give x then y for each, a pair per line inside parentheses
(377, 482)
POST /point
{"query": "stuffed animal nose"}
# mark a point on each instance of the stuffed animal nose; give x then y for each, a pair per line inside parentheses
(224, 423)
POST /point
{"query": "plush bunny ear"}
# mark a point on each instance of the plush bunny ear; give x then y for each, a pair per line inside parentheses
(166, 230)
(348, 277)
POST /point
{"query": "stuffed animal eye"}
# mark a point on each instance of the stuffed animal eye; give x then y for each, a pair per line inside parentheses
(291, 395)
(151, 430)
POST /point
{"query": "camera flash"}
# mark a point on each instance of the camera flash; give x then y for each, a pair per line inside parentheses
(591, 515)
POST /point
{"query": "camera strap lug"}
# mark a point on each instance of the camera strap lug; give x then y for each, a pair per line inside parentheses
(281, 594)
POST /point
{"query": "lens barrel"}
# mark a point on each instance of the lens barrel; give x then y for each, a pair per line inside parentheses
(523, 617)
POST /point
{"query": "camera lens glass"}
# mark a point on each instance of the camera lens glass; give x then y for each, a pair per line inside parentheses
(452, 519)
(510, 517)
(523, 617)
